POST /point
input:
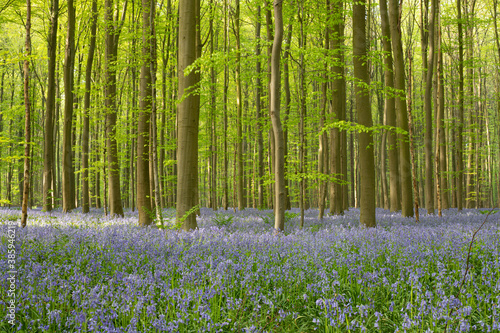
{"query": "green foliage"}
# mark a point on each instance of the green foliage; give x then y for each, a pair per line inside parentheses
(269, 218)
(223, 220)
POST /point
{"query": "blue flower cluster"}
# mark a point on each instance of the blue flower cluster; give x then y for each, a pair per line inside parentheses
(89, 273)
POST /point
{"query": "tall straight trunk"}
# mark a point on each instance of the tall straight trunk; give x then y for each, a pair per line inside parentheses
(459, 130)
(239, 114)
(145, 97)
(401, 110)
(213, 117)
(111, 57)
(188, 116)
(471, 178)
(154, 129)
(67, 158)
(27, 123)
(412, 136)
(258, 113)
(48, 166)
(390, 111)
(272, 152)
(429, 183)
(274, 92)
(226, 86)
(497, 41)
(323, 138)
(366, 154)
(86, 109)
(336, 107)
(442, 143)
(288, 101)
(302, 121)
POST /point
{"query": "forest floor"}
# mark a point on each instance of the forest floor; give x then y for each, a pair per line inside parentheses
(90, 273)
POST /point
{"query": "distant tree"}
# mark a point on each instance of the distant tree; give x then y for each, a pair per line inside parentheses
(27, 120)
(48, 158)
(113, 29)
(86, 108)
(67, 157)
(401, 109)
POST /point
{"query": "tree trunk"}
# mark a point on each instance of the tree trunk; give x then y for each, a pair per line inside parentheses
(239, 115)
(27, 123)
(67, 158)
(336, 108)
(48, 166)
(288, 101)
(459, 131)
(86, 108)
(323, 138)
(497, 41)
(188, 116)
(429, 183)
(143, 202)
(302, 121)
(390, 112)
(274, 92)
(366, 154)
(111, 56)
(258, 112)
(401, 110)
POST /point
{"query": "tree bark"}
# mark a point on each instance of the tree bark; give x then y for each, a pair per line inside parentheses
(67, 158)
(279, 219)
(336, 107)
(27, 123)
(258, 113)
(459, 131)
(429, 183)
(366, 154)
(188, 116)
(390, 111)
(401, 110)
(143, 202)
(48, 166)
(86, 116)
(239, 114)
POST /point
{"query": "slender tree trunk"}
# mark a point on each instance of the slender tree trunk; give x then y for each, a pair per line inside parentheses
(48, 166)
(226, 86)
(258, 112)
(366, 154)
(213, 117)
(401, 110)
(27, 123)
(145, 99)
(279, 220)
(188, 115)
(288, 101)
(442, 143)
(67, 158)
(429, 183)
(86, 109)
(390, 111)
(111, 56)
(497, 41)
(302, 121)
(459, 131)
(336, 107)
(239, 114)
(411, 136)
(154, 129)
(323, 138)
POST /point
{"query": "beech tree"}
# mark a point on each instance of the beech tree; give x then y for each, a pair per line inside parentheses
(274, 93)
(188, 115)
